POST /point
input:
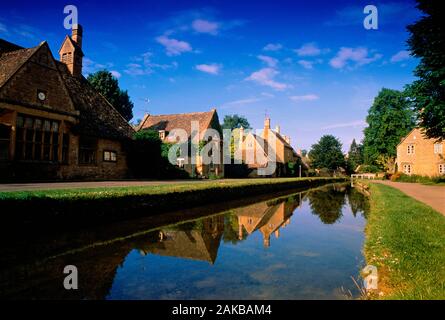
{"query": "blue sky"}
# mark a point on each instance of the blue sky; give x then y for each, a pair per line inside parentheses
(311, 65)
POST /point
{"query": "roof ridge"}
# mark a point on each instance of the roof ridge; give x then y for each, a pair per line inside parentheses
(32, 51)
(179, 114)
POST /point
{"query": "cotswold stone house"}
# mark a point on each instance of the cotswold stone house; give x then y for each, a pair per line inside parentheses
(53, 124)
(419, 155)
(259, 150)
(165, 124)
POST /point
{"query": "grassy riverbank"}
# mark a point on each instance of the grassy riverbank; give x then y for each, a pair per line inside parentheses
(405, 240)
(107, 204)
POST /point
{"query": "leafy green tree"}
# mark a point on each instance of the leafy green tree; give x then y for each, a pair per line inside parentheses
(389, 119)
(355, 155)
(327, 153)
(105, 83)
(427, 42)
(235, 121)
(327, 204)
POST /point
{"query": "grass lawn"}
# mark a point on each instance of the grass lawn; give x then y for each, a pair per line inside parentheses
(405, 240)
(116, 192)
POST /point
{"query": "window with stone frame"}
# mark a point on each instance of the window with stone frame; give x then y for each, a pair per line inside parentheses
(5, 140)
(442, 168)
(410, 149)
(87, 150)
(37, 139)
(438, 148)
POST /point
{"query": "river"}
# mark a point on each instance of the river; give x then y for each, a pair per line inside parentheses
(302, 245)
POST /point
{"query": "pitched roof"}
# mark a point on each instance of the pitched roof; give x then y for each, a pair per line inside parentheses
(97, 117)
(73, 43)
(183, 121)
(12, 59)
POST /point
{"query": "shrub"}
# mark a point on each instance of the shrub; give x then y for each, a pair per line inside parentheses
(401, 177)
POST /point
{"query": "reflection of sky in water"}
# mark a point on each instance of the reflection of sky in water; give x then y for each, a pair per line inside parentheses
(309, 260)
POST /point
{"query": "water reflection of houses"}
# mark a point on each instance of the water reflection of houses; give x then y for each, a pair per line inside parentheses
(198, 241)
(267, 218)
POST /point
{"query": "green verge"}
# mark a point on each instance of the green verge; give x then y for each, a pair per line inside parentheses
(85, 206)
(405, 240)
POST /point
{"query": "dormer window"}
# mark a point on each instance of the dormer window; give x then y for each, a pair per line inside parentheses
(162, 134)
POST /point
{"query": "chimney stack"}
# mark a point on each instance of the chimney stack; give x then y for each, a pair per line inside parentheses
(77, 34)
(267, 123)
(71, 51)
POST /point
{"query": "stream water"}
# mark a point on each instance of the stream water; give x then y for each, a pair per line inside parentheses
(304, 245)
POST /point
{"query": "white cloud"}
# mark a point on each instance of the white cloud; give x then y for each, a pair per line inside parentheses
(205, 26)
(241, 102)
(143, 65)
(271, 62)
(116, 74)
(209, 68)
(308, 49)
(174, 47)
(401, 56)
(307, 97)
(306, 64)
(266, 77)
(357, 56)
(273, 47)
(90, 66)
(352, 124)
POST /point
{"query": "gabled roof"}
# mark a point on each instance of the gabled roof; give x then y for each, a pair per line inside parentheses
(73, 43)
(12, 59)
(183, 121)
(97, 117)
(281, 139)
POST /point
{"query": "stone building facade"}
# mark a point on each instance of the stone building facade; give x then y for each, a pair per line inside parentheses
(256, 151)
(209, 130)
(53, 124)
(416, 154)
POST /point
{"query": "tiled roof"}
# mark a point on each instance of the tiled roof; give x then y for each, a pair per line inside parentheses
(97, 116)
(178, 121)
(11, 61)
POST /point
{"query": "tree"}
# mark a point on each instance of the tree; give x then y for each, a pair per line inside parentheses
(427, 42)
(235, 121)
(355, 155)
(389, 119)
(105, 83)
(327, 153)
(327, 204)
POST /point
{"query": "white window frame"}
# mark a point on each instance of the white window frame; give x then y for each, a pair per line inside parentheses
(411, 149)
(441, 168)
(438, 148)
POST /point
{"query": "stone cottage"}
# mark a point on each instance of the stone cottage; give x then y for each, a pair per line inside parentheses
(416, 154)
(165, 124)
(53, 124)
(256, 150)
